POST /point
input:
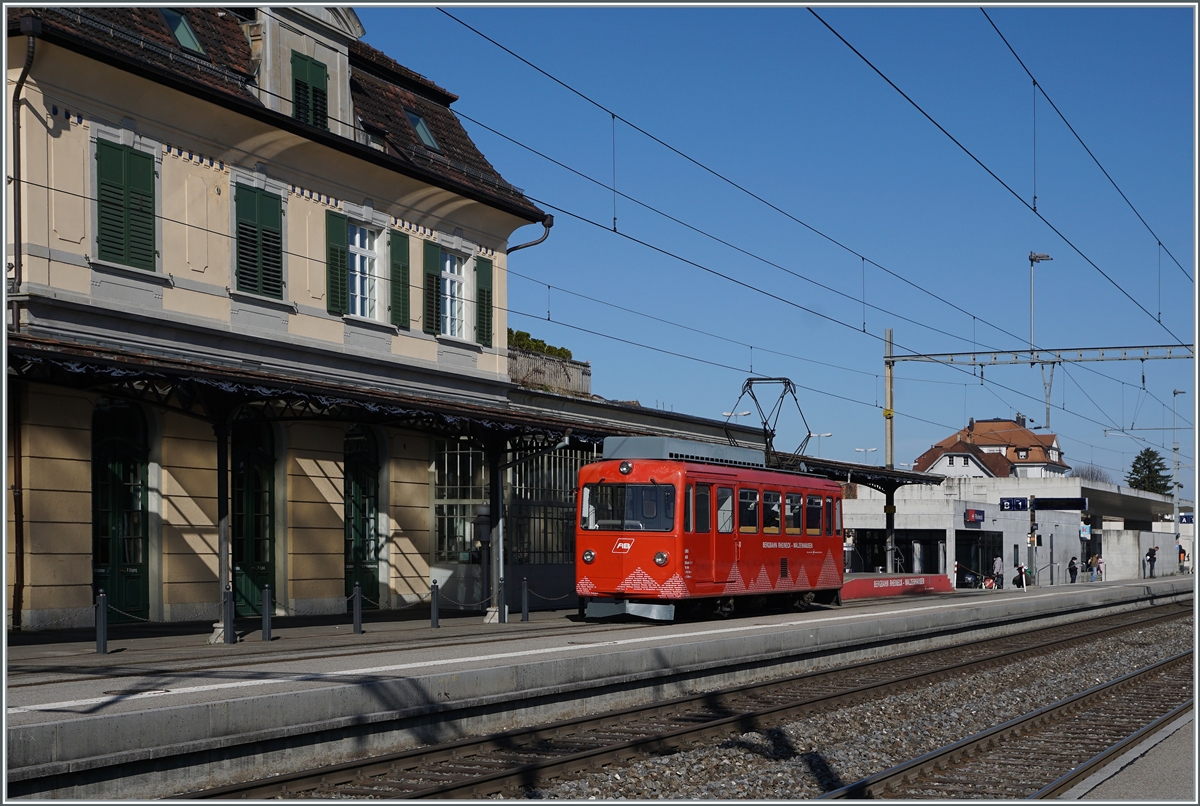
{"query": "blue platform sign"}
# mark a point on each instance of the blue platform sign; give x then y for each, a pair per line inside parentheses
(1014, 504)
(1062, 503)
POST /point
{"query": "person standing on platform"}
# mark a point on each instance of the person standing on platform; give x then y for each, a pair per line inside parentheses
(1100, 567)
(1152, 558)
(1092, 568)
(1073, 569)
(998, 572)
(1181, 553)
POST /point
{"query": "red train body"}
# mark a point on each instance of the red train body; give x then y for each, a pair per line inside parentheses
(652, 533)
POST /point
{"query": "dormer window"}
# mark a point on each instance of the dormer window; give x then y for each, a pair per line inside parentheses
(182, 30)
(310, 95)
(422, 130)
(1022, 453)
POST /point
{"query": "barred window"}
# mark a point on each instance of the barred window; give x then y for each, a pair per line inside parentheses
(460, 485)
(541, 515)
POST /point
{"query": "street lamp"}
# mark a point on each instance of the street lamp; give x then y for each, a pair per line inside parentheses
(1034, 257)
(866, 450)
(732, 414)
(818, 436)
(1175, 468)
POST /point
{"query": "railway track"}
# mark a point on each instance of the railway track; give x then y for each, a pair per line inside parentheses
(521, 759)
(1048, 751)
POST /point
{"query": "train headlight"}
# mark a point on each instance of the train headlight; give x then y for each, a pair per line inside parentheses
(626, 468)
(589, 556)
(660, 559)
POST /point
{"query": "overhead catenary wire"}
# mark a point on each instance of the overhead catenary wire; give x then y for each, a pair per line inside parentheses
(1003, 184)
(1042, 90)
(614, 116)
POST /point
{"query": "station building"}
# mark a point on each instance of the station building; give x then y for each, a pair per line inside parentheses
(965, 522)
(257, 282)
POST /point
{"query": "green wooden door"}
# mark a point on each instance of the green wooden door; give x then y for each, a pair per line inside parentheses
(119, 510)
(362, 515)
(252, 515)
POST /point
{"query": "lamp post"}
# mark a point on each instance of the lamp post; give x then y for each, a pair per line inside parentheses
(1175, 468)
(734, 414)
(1034, 257)
(866, 450)
(818, 436)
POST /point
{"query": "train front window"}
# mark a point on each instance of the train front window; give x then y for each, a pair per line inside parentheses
(628, 507)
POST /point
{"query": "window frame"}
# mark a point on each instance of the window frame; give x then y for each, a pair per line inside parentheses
(307, 112)
(198, 50)
(260, 182)
(421, 128)
(126, 137)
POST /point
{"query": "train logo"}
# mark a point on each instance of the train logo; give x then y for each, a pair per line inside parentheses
(622, 546)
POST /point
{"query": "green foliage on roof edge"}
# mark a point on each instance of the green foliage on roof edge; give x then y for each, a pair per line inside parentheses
(523, 341)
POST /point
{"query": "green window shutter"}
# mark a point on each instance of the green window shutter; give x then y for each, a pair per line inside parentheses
(398, 248)
(318, 79)
(249, 273)
(301, 88)
(110, 193)
(483, 301)
(139, 173)
(337, 263)
(433, 296)
(270, 227)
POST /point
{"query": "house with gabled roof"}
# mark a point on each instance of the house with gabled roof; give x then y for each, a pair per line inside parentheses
(996, 448)
(257, 287)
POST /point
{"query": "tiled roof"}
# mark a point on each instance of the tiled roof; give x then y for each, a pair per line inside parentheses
(1006, 434)
(138, 39)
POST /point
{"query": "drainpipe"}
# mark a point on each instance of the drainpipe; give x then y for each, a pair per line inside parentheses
(547, 222)
(14, 429)
(32, 27)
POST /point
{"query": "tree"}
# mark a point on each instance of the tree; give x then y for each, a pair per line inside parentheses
(1091, 473)
(1149, 472)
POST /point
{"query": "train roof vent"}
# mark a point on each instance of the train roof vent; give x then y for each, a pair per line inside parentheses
(684, 450)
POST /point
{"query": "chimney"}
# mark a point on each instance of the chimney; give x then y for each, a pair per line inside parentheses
(1021, 420)
(971, 424)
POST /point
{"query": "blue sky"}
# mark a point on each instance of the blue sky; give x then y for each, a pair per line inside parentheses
(771, 100)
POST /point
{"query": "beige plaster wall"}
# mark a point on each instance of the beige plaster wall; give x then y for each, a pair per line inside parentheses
(56, 480)
(409, 515)
(189, 518)
(315, 527)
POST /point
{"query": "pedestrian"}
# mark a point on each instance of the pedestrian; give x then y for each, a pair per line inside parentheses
(1073, 569)
(1182, 555)
(1092, 568)
(1100, 567)
(998, 572)
(1152, 558)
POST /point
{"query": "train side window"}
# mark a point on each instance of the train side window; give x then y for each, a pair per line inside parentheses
(748, 511)
(703, 508)
(724, 509)
(771, 512)
(837, 518)
(795, 513)
(829, 516)
(687, 508)
(812, 522)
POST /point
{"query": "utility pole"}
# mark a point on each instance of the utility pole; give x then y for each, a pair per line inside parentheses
(889, 501)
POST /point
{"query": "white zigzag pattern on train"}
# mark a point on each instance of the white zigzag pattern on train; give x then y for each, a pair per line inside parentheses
(585, 587)
(675, 588)
(639, 580)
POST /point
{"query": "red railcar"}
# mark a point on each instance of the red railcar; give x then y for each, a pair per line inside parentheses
(662, 522)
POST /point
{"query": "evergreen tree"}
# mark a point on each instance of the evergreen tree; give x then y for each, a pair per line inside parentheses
(1149, 472)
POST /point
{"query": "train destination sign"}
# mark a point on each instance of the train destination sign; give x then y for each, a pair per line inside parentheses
(1061, 503)
(1014, 504)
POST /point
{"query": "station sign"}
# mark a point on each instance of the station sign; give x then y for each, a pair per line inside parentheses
(1187, 517)
(1061, 503)
(1014, 504)
(973, 516)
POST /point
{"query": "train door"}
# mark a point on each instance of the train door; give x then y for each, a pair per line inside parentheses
(723, 539)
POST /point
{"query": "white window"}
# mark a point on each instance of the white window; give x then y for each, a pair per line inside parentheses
(363, 271)
(950, 461)
(454, 296)
(1022, 453)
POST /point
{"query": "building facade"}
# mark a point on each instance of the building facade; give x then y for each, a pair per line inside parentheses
(256, 326)
(995, 449)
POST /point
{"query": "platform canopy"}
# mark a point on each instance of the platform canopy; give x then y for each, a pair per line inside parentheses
(883, 479)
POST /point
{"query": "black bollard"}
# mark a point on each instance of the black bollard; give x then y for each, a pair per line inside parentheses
(227, 623)
(101, 623)
(433, 605)
(502, 610)
(357, 609)
(266, 613)
(524, 598)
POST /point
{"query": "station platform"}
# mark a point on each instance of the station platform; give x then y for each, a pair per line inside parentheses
(166, 712)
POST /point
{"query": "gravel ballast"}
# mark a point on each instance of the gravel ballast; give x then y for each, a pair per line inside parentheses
(818, 753)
